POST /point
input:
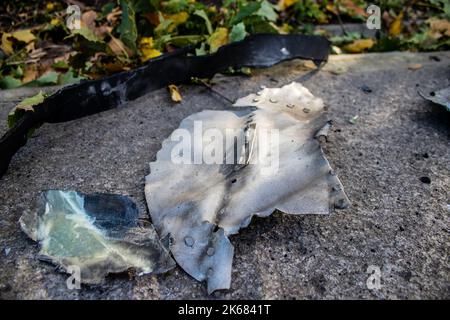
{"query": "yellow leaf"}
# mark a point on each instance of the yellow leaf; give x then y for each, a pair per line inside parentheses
(397, 25)
(284, 4)
(218, 39)
(7, 44)
(23, 35)
(359, 46)
(147, 50)
(175, 93)
(54, 21)
(50, 6)
(178, 18)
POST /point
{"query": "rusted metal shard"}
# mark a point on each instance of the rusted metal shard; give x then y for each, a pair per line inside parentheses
(199, 203)
(94, 235)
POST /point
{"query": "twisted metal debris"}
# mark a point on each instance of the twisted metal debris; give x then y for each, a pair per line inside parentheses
(199, 205)
(98, 234)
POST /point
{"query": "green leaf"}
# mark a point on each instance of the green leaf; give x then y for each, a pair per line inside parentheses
(127, 28)
(107, 9)
(24, 106)
(85, 33)
(182, 41)
(202, 14)
(267, 11)
(9, 82)
(238, 32)
(69, 77)
(245, 11)
(202, 50)
(47, 79)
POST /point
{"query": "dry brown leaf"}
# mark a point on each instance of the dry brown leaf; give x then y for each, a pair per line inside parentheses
(88, 19)
(415, 66)
(439, 28)
(119, 48)
(30, 73)
(113, 15)
(175, 93)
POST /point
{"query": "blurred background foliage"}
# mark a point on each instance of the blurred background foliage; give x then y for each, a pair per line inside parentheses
(37, 47)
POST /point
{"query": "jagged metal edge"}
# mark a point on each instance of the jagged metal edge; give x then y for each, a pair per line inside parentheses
(201, 247)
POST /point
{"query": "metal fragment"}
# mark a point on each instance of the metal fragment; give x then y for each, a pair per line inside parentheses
(98, 233)
(213, 201)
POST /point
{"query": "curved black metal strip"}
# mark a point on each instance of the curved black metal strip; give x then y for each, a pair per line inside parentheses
(89, 97)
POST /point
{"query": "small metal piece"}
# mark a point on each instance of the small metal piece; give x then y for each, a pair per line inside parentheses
(189, 241)
(273, 100)
(306, 110)
(210, 251)
(289, 105)
(259, 93)
(255, 100)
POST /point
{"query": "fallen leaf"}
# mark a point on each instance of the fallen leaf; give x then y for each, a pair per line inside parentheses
(21, 35)
(86, 33)
(119, 48)
(359, 45)
(113, 15)
(238, 32)
(415, 66)
(30, 73)
(202, 14)
(147, 50)
(284, 4)
(127, 28)
(27, 104)
(397, 25)
(177, 19)
(439, 28)
(7, 44)
(47, 79)
(175, 93)
(218, 39)
(88, 19)
(9, 82)
(24, 35)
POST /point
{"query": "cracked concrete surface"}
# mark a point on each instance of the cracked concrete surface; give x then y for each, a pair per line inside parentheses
(396, 222)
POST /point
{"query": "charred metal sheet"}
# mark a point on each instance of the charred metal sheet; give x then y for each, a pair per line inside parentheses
(200, 203)
(91, 97)
(98, 233)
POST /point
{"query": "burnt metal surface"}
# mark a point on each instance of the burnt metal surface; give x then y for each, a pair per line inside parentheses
(98, 234)
(199, 204)
(91, 97)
